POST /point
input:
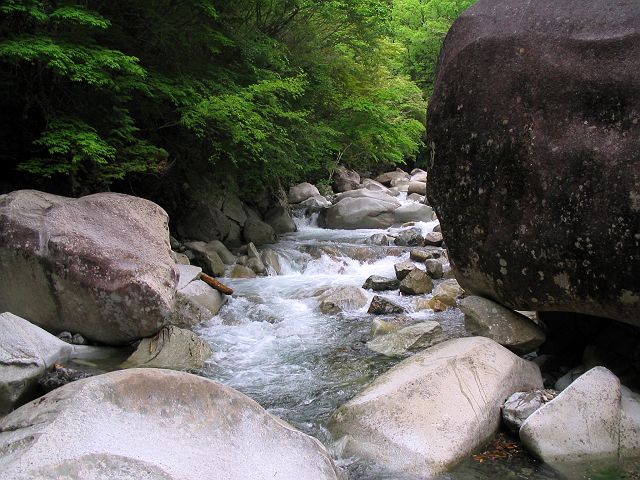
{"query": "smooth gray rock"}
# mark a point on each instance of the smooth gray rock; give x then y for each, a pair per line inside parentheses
(302, 191)
(99, 265)
(345, 180)
(152, 424)
(370, 184)
(433, 409)
(271, 262)
(258, 232)
(389, 177)
(197, 302)
(223, 252)
(280, 220)
(315, 203)
(581, 423)
(173, 348)
(354, 213)
(240, 271)
(434, 268)
(418, 187)
(413, 337)
(413, 212)
(402, 269)
(489, 319)
(233, 208)
(418, 175)
(343, 298)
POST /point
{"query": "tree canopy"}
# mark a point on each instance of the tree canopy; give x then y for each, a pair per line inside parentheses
(97, 92)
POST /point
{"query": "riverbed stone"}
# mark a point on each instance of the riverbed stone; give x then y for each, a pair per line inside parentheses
(416, 282)
(519, 406)
(371, 184)
(381, 326)
(434, 239)
(413, 337)
(449, 288)
(223, 252)
(345, 180)
(378, 239)
(418, 175)
(379, 284)
(360, 209)
(180, 258)
(258, 232)
(241, 271)
(207, 258)
(411, 237)
(59, 377)
(98, 265)
(581, 423)
(434, 268)
(302, 191)
(154, 424)
(315, 203)
(403, 269)
(417, 187)
(187, 274)
(433, 409)
(490, 319)
(271, 261)
(413, 212)
(197, 302)
(629, 423)
(388, 177)
(280, 220)
(382, 306)
(173, 348)
(340, 299)
(546, 142)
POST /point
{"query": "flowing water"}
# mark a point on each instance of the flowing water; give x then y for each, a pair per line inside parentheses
(272, 343)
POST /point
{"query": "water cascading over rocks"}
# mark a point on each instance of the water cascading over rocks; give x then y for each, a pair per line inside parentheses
(535, 124)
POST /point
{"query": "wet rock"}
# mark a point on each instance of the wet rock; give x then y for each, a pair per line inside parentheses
(531, 230)
(435, 303)
(379, 284)
(343, 298)
(489, 319)
(414, 197)
(581, 423)
(433, 409)
(519, 406)
(223, 252)
(59, 377)
(302, 191)
(416, 282)
(434, 268)
(378, 239)
(271, 262)
(418, 187)
(240, 271)
(434, 239)
(99, 265)
(207, 258)
(153, 424)
(173, 348)
(411, 238)
(258, 232)
(387, 178)
(403, 269)
(345, 180)
(382, 327)
(256, 265)
(413, 337)
(449, 288)
(198, 302)
(382, 306)
(413, 212)
(421, 254)
(280, 220)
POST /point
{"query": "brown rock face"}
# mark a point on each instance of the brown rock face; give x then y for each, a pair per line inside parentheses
(99, 265)
(535, 122)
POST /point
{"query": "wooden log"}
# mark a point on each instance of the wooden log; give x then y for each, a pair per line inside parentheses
(222, 288)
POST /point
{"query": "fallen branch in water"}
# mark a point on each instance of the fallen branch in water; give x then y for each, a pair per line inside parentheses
(216, 284)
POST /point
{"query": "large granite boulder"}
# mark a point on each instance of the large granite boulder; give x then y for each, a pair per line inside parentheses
(535, 125)
(302, 191)
(360, 209)
(345, 180)
(99, 265)
(154, 424)
(435, 408)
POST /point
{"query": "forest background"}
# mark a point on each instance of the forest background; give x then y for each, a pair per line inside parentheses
(123, 95)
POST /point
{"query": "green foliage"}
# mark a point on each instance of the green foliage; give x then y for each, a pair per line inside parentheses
(279, 90)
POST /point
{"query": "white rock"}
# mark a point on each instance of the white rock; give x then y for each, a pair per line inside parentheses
(582, 422)
(187, 274)
(519, 406)
(435, 408)
(413, 212)
(629, 424)
(151, 424)
(196, 303)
